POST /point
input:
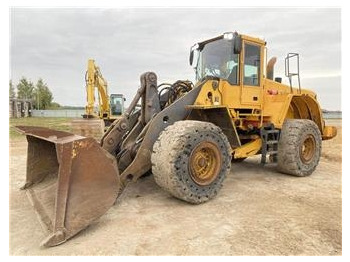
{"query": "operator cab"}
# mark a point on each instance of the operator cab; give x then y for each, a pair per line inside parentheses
(233, 58)
(220, 57)
(117, 104)
(217, 58)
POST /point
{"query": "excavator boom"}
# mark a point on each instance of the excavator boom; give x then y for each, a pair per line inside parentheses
(94, 79)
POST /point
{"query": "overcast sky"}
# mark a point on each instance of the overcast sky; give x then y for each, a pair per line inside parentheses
(55, 44)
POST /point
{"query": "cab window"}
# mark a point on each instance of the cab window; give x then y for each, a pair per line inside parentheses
(251, 65)
(217, 59)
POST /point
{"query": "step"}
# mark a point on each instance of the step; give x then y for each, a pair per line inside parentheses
(273, 131)
(274, 152)
(271, 142)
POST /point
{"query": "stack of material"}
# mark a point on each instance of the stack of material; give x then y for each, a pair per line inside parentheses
(88, 127)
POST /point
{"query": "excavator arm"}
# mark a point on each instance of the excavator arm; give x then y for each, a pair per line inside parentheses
(94, 79)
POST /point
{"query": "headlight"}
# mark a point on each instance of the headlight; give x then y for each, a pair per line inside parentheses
(228, 36)
(195, 47)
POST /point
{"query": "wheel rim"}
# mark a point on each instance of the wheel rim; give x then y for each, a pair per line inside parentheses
(307, 149)
(205, 163)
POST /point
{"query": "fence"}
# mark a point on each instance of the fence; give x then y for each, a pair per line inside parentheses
(78, 112)
(74, 113)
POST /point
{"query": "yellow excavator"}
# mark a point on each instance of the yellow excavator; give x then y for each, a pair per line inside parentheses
(111, 107)
(186, 134)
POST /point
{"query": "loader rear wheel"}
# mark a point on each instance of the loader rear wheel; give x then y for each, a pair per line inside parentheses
(299, 147)
(191, 159)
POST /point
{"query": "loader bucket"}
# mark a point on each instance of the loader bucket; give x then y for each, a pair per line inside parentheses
(70, 181)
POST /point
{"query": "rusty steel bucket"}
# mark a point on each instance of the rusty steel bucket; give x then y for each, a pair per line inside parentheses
(71, 181)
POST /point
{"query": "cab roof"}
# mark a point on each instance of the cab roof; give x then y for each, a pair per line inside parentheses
(244, 37)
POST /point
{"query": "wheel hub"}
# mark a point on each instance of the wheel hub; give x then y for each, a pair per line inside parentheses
(202, 162)
(307, 149)
(205, 163)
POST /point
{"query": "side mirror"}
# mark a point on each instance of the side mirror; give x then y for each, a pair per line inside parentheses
(191, 57)
(237, 44)
(194, 49)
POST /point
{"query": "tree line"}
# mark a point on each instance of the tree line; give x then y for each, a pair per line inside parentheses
(39, 93)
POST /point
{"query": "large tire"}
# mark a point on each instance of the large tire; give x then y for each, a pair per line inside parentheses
(191, 159)
(299, 147)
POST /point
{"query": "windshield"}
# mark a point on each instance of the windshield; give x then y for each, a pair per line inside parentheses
(116, 103)
(217, 59)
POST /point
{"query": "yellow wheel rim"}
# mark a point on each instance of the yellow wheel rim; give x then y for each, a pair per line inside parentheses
(307, 149)
(205, 163)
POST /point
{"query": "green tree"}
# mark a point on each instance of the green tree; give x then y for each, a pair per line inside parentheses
(25, 89)
(42, 95)
(12, 93)
(54, 105)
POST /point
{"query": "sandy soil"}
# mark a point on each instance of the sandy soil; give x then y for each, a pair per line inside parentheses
(258, 212)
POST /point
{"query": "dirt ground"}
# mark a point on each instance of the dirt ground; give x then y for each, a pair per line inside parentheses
(257, 212)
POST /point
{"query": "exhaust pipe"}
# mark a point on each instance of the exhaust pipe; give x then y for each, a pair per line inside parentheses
(270, 68)
(70, 181)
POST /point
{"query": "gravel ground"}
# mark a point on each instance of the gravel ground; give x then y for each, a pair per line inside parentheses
(258, 212)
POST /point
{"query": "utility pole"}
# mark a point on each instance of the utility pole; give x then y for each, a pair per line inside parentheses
(37, 100)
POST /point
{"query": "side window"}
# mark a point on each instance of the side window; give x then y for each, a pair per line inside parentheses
(251, 65)
(232, 67)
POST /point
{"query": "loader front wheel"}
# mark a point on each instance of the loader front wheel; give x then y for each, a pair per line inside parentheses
(299, 147)
(191, 159)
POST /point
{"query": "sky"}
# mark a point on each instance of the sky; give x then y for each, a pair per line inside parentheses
(55, 44)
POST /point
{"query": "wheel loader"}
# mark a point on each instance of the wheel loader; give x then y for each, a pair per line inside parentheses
(186, 135)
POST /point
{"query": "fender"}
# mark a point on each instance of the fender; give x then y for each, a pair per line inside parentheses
(218, 115)
(302, 106)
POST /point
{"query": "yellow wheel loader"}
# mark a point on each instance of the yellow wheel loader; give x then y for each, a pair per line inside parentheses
(185, 134)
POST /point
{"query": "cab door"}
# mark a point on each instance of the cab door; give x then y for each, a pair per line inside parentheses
(251, 77)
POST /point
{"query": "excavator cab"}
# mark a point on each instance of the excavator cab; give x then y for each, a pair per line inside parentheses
(116, 102)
